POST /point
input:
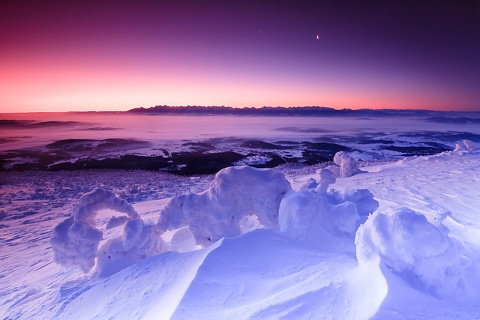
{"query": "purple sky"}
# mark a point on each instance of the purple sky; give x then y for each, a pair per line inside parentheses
(116, 55)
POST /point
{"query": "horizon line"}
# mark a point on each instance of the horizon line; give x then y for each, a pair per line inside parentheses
(145, 109)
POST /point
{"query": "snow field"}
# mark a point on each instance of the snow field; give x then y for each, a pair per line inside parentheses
(234, 197)
(397, 241)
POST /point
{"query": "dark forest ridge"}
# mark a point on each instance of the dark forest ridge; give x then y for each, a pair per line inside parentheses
(291, 111)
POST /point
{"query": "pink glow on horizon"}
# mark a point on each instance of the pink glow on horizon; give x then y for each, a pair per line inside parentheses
(83, 85)
(111, 55)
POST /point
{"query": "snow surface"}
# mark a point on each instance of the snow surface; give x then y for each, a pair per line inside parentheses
(346, 166)
(465, 146)
(398, 241)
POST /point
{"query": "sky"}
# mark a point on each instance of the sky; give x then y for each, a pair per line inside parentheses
(118, 55)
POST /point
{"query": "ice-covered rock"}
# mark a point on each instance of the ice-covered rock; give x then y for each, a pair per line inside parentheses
(414, 249)
(346, 166)
(115, 221)
(235, 193)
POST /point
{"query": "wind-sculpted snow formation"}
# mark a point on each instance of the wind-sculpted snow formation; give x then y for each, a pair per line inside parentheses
(465, 146)
(345, 166)
(238, 199)
(415, 250)
(386, 249)
(309, 214)
(75, 240)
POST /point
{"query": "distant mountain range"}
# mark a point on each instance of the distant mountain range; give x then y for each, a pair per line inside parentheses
(286, 111)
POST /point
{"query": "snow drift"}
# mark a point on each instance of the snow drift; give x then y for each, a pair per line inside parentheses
(415, 250)
(312, 213)
(239, 199)
(315, 242)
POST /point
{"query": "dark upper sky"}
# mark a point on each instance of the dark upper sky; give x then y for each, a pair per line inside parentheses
(115, 55)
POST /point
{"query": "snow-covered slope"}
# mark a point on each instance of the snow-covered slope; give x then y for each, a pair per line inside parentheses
(416, 257)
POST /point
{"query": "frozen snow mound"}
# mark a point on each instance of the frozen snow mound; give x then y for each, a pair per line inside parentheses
(138, 242)
(465, 146)
(75, 244)
(315, 215)
(75, 240)
(362, 198)
(308, 216)
(327, 178)
(345, 166)
(238, 198)
(415, 250)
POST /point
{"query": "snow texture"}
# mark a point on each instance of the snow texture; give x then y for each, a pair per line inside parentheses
(310, 214)
(75, 244)
(138, 242)
(345, 166)
(417, 256)
(318, 250)
(75, 240)
(236, 194)
(465, 146)
(239, 199)
(327, 178)
(414, 249)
